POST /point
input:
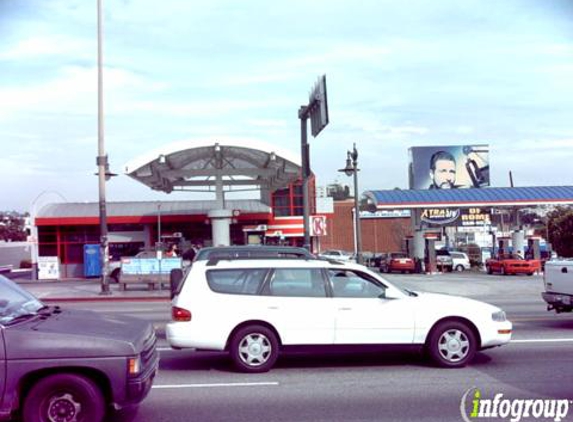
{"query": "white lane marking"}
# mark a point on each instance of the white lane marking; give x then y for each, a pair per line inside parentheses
(164, 349)
(232, 384)
(543, 340)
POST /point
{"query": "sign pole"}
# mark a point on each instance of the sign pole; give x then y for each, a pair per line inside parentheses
(305, 161)
(317, 111)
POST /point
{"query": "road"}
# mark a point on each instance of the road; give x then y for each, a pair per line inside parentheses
(389, 386)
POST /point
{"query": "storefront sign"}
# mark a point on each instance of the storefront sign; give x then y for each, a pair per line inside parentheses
(386, 214)
(464, 217)
(440, 216)
(48, 268)
(318, 225)
(474, 217)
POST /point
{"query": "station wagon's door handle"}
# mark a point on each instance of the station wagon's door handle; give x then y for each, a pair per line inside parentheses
(344, 309)
(273, 307)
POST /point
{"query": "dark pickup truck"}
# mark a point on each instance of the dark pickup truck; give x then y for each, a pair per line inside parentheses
(60, 365)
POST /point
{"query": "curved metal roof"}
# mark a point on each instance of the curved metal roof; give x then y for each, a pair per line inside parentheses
(523, 196)
(198, 163)
(147, 208)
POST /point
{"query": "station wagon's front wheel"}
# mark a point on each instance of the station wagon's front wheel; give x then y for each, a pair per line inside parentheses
(254, 349)
(452, 344)
(64, 398)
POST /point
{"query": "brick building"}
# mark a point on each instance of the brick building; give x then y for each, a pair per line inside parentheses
(378, 234)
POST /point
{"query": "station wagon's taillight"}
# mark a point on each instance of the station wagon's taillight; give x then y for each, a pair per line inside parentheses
(180, 314)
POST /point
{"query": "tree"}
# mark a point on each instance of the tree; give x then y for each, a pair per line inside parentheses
(12, 227)
(560, 228)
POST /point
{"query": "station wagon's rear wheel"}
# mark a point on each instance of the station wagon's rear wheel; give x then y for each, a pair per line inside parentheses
(64, 398)
(254, 349)
(452, 344)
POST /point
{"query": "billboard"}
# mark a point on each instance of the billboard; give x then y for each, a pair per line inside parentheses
(449, 167)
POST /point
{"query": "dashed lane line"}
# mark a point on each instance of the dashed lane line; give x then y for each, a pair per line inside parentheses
(216, 385)
(542, 340)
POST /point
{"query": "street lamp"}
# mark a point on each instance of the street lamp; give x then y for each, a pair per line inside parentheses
(352, 169)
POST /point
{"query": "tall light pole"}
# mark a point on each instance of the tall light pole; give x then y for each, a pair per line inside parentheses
(352, 169)
(101, 160)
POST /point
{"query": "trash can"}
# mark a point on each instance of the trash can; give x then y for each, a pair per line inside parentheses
(92, 260)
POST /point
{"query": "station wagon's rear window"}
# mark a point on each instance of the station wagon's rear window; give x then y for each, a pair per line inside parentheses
(237, 281)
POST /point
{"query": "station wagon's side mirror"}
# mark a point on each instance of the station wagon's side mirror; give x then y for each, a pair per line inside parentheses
(175, 280)
(391, 294)
(564, 269)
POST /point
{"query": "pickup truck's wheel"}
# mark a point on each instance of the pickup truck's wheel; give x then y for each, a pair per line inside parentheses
(64, 398)
(254, 349)
(452, 344)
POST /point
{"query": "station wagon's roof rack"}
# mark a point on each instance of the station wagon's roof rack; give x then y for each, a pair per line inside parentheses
(215, 254)
(214, 260)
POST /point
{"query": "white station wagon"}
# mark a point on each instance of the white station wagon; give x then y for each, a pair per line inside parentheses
(256, 308)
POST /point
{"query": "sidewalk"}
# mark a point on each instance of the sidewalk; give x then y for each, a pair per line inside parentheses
(476, 285)
(77, 290)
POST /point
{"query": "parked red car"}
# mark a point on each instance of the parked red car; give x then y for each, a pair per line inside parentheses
(512, 264)
(397, 261)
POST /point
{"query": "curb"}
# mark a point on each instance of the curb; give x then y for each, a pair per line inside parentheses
(104, 299)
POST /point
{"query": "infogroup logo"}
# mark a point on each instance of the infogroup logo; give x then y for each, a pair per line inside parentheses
(474, 406)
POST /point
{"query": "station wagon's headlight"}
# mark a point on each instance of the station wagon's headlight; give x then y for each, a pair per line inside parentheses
(498, 316)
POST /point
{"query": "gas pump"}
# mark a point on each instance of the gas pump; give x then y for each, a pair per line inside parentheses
(430, 254)
(503, 245)
(533, 248)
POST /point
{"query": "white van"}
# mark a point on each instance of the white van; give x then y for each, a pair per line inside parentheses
(460, 260)
(558, 281)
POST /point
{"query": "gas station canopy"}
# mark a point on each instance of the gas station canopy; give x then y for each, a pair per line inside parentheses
(192, 164)
(483, 197)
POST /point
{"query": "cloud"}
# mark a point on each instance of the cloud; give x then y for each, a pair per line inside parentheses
(38, 47)
(74, 91)
(268, 123)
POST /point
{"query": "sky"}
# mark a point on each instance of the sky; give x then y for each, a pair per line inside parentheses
(399, 74)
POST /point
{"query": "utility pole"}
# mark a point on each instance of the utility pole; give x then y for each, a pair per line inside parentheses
(102, 161)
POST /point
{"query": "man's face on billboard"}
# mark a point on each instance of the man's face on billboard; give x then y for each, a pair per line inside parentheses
(444, 175)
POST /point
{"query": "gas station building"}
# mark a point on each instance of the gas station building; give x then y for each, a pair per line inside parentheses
(391, 220)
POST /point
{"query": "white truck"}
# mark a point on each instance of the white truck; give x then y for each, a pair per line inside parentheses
(558, 281)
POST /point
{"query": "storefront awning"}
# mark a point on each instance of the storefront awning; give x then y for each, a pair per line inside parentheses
(482, 197)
